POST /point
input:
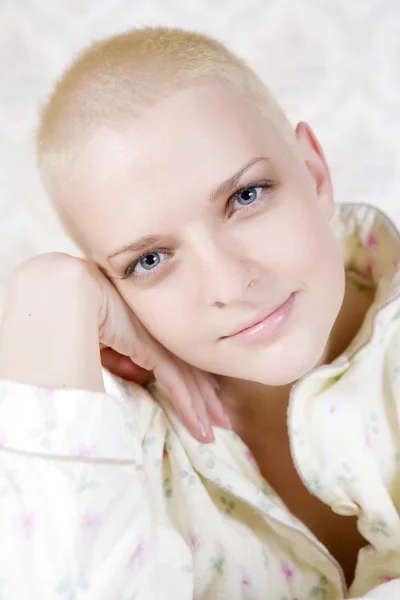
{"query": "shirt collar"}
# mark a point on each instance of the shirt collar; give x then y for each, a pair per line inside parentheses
(371, 251)
(328, 405)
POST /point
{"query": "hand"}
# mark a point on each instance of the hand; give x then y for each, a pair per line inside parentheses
(122, 366)
(129, 351)
(58, 309)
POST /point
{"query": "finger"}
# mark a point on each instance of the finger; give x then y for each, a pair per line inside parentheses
(213, 404)
(212, 379)
(197, 400)
(122, 366)
(170, 376)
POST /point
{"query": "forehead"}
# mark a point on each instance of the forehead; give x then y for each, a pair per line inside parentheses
(177, 150)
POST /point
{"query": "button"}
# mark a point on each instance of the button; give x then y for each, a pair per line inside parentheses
(345, 508)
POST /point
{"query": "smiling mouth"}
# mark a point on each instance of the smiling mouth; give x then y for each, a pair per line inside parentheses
(265, 325)
(250, 324)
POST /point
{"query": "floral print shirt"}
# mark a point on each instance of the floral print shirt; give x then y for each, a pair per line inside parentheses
(106, 496)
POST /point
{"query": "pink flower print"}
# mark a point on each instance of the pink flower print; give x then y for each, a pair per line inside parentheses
(90, 522)
(250, 456)
(165, 451)
(287, 571)
(246, 583)
(137, 557)
(25, 523)
(47, 393)
(369, 267)
(194, 542)
(371, 242)
(380, 320)
(335, 406)
(84, 450)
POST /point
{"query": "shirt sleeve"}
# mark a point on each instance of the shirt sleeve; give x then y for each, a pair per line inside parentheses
(76, 520)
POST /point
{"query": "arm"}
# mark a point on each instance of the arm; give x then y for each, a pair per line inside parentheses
(49, 334)
(75, 517)
(60, 308)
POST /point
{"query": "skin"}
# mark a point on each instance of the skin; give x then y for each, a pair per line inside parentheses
(221, 263)
(158, 179)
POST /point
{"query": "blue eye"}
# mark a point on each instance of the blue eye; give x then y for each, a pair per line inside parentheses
(145, 264)
(248, 195)
(252, 196)
(150, 261)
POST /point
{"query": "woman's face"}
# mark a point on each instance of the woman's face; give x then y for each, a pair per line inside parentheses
(227, 222)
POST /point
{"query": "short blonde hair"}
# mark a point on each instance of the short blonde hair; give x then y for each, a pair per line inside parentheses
(114, 79)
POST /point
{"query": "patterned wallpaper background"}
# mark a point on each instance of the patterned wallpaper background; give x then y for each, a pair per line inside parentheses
(333, 63)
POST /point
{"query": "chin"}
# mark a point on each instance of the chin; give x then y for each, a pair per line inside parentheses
(289, 373)
(288, 363)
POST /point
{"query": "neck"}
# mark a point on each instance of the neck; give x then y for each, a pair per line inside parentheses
(256, 407)
(252, 405)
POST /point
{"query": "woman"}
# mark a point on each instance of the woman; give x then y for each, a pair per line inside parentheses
(212, 245)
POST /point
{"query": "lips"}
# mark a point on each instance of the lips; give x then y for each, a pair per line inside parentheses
(251, 323)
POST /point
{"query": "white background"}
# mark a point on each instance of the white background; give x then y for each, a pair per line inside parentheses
(333, 63)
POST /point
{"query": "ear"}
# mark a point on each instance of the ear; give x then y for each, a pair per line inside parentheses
(315, 162)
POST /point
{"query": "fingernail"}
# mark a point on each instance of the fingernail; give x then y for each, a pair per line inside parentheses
(203, 431)
(216, 385)
(225, 420)
(228, 423)
(221, 420)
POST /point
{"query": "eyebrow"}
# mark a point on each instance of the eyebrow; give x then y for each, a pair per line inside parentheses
(226, 187)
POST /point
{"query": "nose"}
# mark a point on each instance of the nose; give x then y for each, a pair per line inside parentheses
(223, 274)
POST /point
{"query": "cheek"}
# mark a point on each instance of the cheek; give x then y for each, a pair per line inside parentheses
(320, 266)
(291, 240)
(309, 258)
(309, 243)
(164, 315)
